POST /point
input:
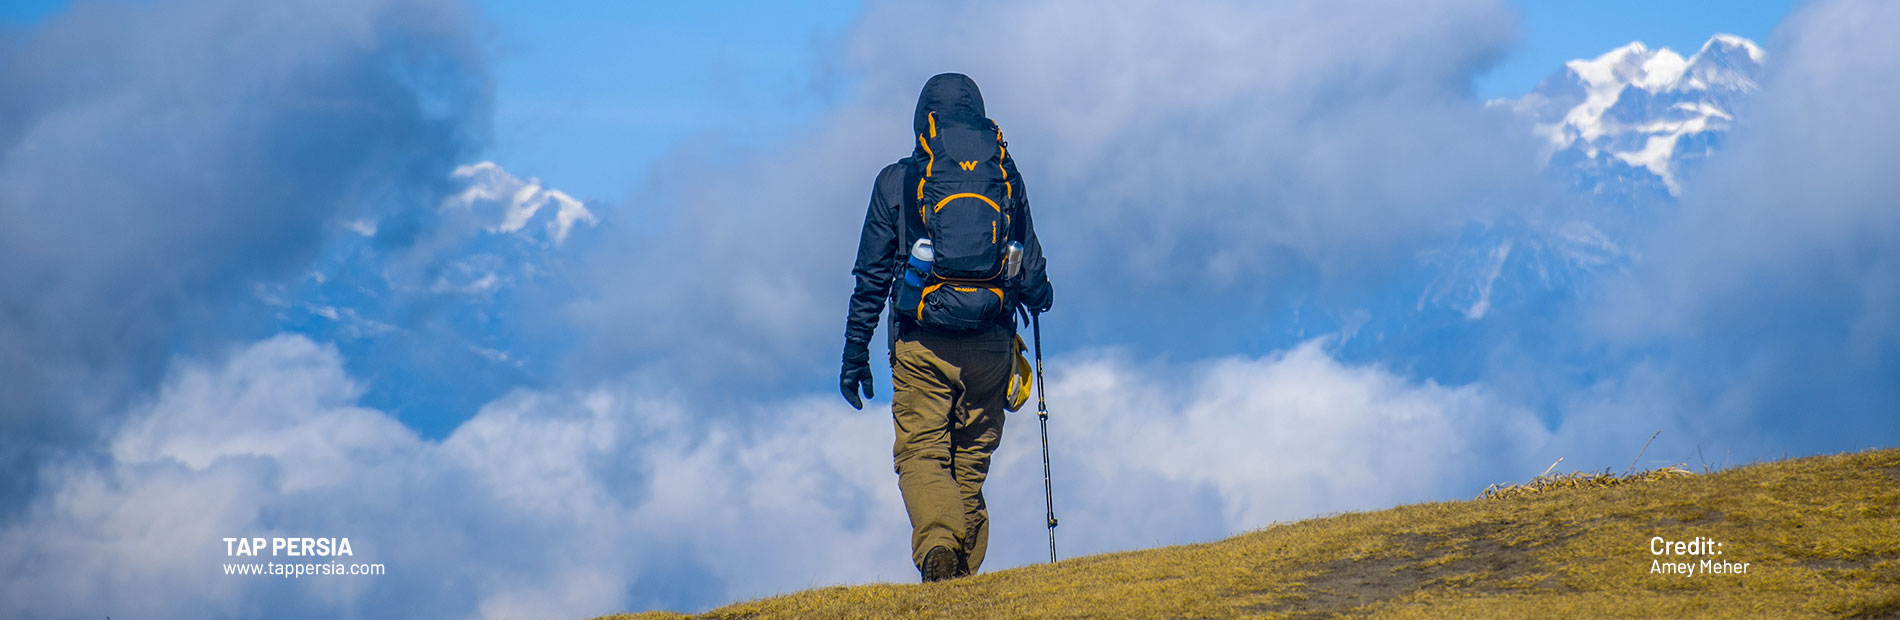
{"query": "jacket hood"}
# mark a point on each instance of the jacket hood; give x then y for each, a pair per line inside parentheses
(950, 95)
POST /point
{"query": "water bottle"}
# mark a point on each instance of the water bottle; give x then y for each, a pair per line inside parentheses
(922, 256)
(1012, 259)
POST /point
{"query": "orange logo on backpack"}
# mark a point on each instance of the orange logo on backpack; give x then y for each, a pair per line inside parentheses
(967, 165)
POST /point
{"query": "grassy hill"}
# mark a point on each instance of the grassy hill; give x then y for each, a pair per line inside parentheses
(1820, 537)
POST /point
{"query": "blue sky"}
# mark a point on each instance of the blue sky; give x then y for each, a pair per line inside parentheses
(588, 93)
(540, 304)
(1560, 30)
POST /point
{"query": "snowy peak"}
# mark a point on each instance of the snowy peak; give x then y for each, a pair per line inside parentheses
(1631, 65)
(508, 203)
(1627, 113)
(1726, 62)
(1725, 41)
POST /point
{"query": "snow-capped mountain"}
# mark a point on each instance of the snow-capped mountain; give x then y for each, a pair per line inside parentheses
(1624, 129)
(1635, 121)
(438, 293)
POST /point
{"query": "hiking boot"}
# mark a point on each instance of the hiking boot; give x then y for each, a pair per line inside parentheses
(939, 564)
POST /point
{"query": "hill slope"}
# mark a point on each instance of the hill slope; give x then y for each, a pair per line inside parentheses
(1819, 536)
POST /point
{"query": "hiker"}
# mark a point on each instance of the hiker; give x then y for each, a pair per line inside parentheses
(948, 244)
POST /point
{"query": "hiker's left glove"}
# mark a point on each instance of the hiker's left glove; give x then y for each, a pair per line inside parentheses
(856, 372)
(1039, 297)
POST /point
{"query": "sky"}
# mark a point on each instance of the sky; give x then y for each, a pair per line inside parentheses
(594, 93)
(539, 304)
(1561, 30)
(576, 102)
(573, 109)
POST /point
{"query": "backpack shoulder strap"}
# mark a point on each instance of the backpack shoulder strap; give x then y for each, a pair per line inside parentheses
(1008, 166)
(1013, 200)
(906, 206)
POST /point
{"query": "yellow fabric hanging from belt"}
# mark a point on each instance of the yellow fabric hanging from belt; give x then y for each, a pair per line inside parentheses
(1019, 378)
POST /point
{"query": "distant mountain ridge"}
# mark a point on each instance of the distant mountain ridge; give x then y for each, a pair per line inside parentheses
(1636, 110)
(1623, 131)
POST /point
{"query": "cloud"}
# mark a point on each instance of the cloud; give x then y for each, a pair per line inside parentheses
(1177, 161)
(1167, 142)
(156, 159)
(621, 496)
(562, 503)
(1148, 452)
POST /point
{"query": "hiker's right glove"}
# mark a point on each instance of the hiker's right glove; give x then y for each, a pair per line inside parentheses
(856, 372)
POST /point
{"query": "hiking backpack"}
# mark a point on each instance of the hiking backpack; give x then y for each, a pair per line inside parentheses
(961, 194)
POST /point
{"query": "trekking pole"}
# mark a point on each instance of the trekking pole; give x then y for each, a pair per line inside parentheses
(1042, 416)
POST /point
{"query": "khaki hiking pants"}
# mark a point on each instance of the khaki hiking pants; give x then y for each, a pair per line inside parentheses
(948, 409)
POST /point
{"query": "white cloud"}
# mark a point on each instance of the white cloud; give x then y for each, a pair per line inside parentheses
(283, 399)
(264, 444)
(578, 502)
(544, 504)
(1148, 453)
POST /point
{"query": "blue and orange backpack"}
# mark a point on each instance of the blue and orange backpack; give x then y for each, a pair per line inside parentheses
(962, 193)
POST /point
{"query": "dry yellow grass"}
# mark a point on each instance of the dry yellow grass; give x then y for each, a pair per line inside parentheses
(1553, 482)
(1821, 537)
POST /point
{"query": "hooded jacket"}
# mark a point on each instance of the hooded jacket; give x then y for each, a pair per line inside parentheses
(950, 95)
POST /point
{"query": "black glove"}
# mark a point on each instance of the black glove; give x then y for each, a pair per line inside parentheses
(850, 378)
(1039, 298)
